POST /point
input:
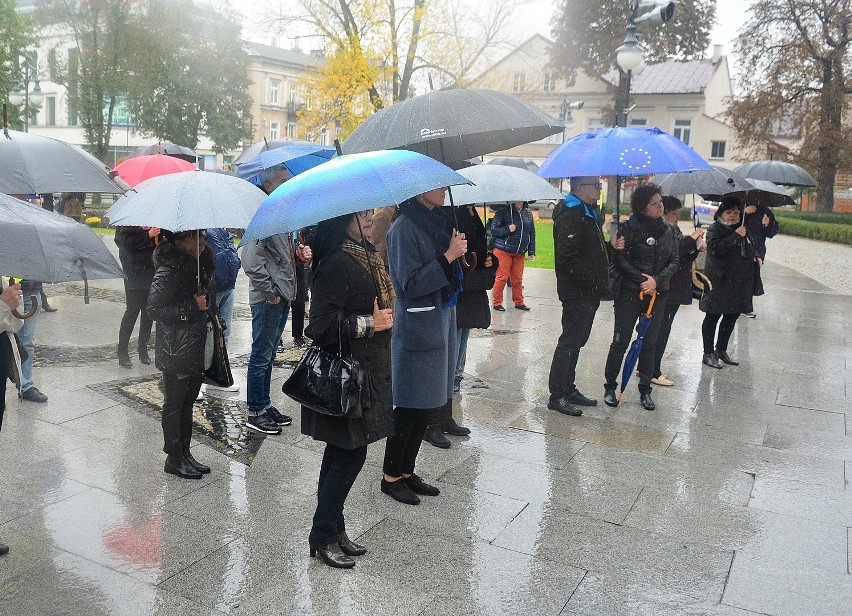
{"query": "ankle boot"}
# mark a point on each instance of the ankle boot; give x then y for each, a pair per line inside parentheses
(609, 397)
(645, 394)
(201, 468)
(723, 356)
(331, 555)
(349, 547)
(448, 424)
(124, 359)
(178, 465)
(435, 436)
(710, 359)
(144, 358)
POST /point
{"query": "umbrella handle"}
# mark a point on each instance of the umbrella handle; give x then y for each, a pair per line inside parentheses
(33, 309)
(651, 304)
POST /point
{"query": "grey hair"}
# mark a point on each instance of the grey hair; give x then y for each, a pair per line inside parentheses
(268, 174)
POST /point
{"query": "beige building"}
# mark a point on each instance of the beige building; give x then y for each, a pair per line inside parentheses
(685, 99)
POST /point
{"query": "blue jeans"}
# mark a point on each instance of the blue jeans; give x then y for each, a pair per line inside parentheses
(225, 306)
(461, 339)
(27, 336)
(267, 325)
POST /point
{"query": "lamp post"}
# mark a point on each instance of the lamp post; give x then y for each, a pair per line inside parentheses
(629, 57)
(36, 97)
(565, 110)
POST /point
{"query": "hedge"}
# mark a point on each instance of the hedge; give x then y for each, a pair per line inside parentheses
(842, 219)
(829, 232)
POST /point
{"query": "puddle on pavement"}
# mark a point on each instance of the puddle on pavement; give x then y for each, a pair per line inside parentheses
(217, 422)
(599, 431)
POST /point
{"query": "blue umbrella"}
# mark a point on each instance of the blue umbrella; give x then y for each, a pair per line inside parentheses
(621, 152)
(349, 184)
(636, 347)
(297, 157)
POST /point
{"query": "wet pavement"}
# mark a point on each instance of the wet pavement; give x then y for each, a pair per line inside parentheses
(733, 497)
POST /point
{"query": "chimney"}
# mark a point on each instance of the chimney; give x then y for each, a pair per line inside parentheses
(717, 53)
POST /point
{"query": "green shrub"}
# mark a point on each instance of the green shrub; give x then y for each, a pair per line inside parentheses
(828, 232)
(833, 218)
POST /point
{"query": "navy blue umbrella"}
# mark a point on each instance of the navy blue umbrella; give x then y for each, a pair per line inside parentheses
(632, 356)
(297, 157)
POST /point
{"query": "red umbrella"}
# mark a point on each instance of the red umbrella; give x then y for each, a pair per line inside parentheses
(140, 168)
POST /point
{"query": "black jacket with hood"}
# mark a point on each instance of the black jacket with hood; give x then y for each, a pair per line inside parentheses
(181, 326)
(581, 253)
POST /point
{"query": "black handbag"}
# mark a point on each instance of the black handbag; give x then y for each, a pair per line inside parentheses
(219, 372)
(329, 383)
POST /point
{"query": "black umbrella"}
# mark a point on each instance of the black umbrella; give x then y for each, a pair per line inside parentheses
(767, 194)
(34, 164)
(779, 172)
(168, 148)
(454, 125)
(254, 150)
(515, 161)
(712, 185)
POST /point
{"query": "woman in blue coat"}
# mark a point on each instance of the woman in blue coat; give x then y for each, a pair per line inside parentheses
(427, 279)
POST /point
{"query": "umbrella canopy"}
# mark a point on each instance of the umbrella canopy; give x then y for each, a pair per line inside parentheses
(297, 157)
(454, 125)
(779, 172)
(349, 184)
(632, 357)
(168, 148)
(188, 200)
(710, 184)
(767, 194)
(621, 152)
(40, 245)
(494, 183)
(515, 161)
(254, 150)
(140, 168)
(34, 164)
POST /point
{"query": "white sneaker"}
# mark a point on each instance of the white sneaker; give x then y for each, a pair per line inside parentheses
(200, 396)
(233, 387)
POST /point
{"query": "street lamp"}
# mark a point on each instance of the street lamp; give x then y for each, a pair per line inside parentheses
(630, 56)
(565, 111)
(36, 97)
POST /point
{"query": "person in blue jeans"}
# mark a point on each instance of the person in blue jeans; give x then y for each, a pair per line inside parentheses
(221, 244)
(270, 265)
(26, 335)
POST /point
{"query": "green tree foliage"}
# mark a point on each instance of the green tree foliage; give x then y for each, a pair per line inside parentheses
(189, 77)
(16, 35)
(794, 60)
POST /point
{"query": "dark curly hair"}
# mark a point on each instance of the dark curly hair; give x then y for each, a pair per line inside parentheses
(642, 196)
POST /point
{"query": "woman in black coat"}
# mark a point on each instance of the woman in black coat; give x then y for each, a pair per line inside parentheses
(344, 304)
(731, 266)
(646, 264)
(135, 250)
(178, 302)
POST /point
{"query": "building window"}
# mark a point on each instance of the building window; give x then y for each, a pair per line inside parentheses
(548, 84)
(638, 122)
(717, 149)
(274, 130)
(51, 64)
(595, 124)
(291, 93)
(274, 89)
(50, 110)
(682, 130)
(519, 82)
(291, 130)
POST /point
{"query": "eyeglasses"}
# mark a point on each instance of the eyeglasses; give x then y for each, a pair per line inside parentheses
(597, 185)
(365, 213)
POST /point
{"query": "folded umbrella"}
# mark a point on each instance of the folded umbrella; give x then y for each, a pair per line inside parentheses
(495, 183)
(296, 157)
(140, 168)
(34, 164)
(188, 200)
(40, 245)
(348, 184)
(635, 350)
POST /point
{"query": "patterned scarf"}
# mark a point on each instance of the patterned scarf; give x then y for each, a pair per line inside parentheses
(378, 271)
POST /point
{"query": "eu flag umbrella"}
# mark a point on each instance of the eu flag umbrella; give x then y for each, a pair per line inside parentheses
(632, 356)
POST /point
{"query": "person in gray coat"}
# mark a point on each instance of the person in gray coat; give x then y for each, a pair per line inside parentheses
(427, 278)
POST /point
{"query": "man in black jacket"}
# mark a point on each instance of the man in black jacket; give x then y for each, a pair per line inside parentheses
(581, 280)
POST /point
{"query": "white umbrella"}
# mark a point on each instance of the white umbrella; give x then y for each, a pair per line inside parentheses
(498, 183)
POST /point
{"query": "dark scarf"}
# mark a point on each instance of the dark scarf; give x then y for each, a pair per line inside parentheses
(655, 226)
(432, 223)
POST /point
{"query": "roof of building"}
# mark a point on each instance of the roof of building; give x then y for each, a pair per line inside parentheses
(671, 77)
(290, 56)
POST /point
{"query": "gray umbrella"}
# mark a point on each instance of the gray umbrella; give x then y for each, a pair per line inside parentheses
(39, 245)
(515, 161)
(779, 172)
(454, 125)
(168, 148)
(711, 185)
(767, 194)
(34, 164)
(495, 183)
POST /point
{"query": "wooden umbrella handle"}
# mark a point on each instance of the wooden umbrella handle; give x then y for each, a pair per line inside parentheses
(33, 309)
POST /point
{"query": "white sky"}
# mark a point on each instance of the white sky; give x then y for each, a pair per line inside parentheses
(533, 17)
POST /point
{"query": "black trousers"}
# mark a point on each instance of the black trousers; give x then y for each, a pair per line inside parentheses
(3, 380)
(402, 447)
(628, 307)
(578, 314)
(180, 393)
(340, 468)
(136, 301)
(708, 331)
(297, 323)
(663, 337)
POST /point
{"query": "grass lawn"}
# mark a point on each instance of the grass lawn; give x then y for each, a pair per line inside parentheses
(544, 258)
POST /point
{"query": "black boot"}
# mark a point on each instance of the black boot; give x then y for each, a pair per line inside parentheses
(331, 555)
(723, 355)
(124, 358)
(435, 436)
(4, 549)
(201, 468)
(645, 393)
(449, 425)
(44, 305)
(178, 465)
(349, 547)
(609, 396)
(710, 359)
(186, 441)
(144, 358)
